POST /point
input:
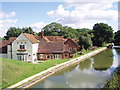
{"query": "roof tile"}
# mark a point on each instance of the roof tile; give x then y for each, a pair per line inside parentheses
(31, 38)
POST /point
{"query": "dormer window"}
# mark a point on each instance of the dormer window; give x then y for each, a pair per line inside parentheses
(22, 46)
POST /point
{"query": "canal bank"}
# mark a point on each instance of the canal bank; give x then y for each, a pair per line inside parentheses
(40, 76)
(114, 81)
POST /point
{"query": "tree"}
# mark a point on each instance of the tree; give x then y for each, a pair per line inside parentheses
(52, 29)
(117, 38)
(28, 30)
(56, 29)
(13, 32)
(103, 33)
(68, 32)
(85, 42)
(85, 36)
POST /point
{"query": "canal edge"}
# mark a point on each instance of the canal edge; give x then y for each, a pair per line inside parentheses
(26, 83)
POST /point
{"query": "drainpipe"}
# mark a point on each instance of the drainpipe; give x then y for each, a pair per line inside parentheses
(11, 50)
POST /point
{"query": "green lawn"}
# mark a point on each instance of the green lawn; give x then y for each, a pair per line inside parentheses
(14, 71)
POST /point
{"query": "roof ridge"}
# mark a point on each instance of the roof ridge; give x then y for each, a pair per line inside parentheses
(31, 37)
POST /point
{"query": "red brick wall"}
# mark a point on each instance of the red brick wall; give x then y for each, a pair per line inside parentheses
(51, 56)
(72, 44)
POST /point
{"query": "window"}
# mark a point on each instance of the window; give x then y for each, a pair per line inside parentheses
(48, 56)
(56, 56)
(41, 55)
(21, 42)
(22, 57)
(22, 46)
(17, 42)
(70, 49)
(25, 42)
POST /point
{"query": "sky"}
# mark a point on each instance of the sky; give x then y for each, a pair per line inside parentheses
(76, 14)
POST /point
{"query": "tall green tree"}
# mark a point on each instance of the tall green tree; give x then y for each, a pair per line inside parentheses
(117, 38)
(85, 42)
(13, 32)
(56, 29)
(103, 33)
(52, 29)
(68, 32)
(28, 30)
(85, 36)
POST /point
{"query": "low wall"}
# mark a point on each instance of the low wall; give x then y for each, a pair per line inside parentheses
(26, 83)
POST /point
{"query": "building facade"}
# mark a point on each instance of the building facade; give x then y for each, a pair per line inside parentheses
(27, 47)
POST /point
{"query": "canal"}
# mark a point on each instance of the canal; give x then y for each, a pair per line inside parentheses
(91, 73)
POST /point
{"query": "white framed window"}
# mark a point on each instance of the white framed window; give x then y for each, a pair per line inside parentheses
(22, 46)
(56, 56)
(41, 55)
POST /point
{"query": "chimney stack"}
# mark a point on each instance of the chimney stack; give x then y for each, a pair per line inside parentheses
(42, 34)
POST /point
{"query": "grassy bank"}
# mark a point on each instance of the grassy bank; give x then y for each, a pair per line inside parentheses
(115, 81)
(86, 52)
(14, 71)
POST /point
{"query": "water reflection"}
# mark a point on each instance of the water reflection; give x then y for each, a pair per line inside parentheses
(103, 61)
(118, 51)
(91, 73)
(85, 65)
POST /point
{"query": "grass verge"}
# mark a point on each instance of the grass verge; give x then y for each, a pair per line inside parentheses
(14, 71)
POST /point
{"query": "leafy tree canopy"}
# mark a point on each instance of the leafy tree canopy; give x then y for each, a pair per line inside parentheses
(117, 38)
(14, 32)
(103, 33)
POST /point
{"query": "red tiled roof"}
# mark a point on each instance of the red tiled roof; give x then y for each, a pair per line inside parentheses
(31, 38)
(4, 43)
(52, 38)
(56, 38)
(3, 46)
(52, 47)
(11, 39)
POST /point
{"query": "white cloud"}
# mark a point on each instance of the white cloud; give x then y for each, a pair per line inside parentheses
(38, 26)
(60, 12)
(7, 15)
(6, 22)
(85, 14)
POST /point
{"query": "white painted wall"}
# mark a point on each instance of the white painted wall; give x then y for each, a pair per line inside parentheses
(9, 51)
(30, 48)
(35, 50)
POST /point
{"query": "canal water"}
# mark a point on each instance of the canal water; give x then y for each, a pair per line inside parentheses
(91, 73)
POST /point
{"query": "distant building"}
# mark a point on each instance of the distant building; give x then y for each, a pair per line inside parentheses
(27, 47)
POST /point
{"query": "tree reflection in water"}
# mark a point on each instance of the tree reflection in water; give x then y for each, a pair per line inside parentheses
(91, 73)
(103, 61)
(85, 64)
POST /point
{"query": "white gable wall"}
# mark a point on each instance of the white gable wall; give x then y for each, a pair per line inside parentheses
(35, 50)
(30, 48)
